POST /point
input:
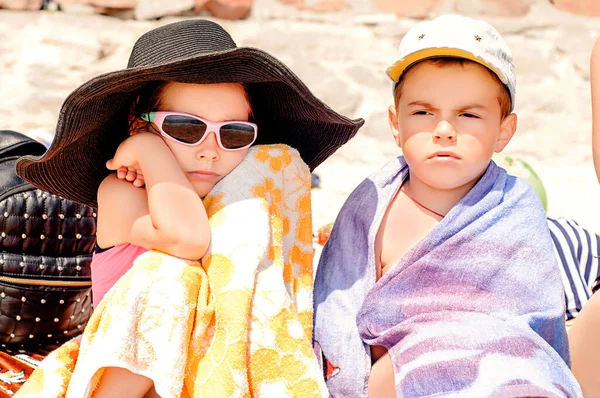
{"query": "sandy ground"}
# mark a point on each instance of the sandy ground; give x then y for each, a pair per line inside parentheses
(342, 58)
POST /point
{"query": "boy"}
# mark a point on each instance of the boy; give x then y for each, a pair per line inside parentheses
(439, 277)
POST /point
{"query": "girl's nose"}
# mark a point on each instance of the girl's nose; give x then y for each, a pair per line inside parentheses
(209, 148)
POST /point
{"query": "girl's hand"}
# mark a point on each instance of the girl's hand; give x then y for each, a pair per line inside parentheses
(135, 176)
(125, 161)
(168, 215)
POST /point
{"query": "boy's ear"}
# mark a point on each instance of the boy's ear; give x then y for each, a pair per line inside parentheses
(393, 121)
(508, 127)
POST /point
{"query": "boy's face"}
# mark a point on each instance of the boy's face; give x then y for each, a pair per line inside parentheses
(448, 123)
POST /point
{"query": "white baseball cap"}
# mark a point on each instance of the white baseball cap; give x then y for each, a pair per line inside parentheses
(460, 37)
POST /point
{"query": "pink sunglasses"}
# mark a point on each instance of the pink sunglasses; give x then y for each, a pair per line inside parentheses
(192, 130)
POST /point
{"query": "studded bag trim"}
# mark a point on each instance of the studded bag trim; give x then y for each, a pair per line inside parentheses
(46, 245)
(45, 236)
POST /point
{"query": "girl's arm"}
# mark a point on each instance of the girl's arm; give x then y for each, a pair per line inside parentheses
(585, 347)
(168, 215)
(120, 382)
(595, 82)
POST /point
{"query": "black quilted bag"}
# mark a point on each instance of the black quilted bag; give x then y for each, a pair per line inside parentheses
(46, 245)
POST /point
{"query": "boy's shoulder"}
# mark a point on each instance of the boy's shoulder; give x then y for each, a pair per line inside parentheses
(518, 188)
(385, 177)
(389, 173)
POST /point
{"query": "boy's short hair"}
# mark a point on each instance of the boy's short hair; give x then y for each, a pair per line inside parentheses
(444, 62)
(454, 40)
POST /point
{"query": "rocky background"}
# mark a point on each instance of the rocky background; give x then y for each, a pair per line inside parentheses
(341, 49)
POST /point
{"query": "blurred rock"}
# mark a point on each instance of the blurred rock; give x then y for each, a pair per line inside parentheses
(151, 9)
(22, 5)
(121, 13)
(317, 5)
(117, 4)
(77, 8)
(583, 7)
(227, 9)
(378, 126)
(493, 8)
(527, 53)
(108, 4)
(122, 9)
(408, 8)
(324, 5)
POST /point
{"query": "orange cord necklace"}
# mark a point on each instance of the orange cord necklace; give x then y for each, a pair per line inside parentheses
(422, 205)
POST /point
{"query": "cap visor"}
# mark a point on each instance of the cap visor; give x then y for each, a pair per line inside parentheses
(398, 68)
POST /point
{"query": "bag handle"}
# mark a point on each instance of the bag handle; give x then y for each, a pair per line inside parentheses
(13, 145)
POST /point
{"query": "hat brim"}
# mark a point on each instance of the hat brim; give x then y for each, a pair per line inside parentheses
(93, 119)
(397, 69)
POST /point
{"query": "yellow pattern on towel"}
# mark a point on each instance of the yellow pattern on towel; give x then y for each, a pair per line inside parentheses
(237, 325)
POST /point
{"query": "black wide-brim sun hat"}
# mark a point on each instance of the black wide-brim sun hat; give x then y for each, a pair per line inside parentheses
(93, 120)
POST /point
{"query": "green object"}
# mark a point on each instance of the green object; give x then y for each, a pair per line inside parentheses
(520, 168)
(148, 117)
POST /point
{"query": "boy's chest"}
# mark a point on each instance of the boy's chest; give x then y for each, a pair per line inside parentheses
(402, 227)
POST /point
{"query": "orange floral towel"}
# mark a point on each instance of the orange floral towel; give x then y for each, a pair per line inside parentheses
(237, 325)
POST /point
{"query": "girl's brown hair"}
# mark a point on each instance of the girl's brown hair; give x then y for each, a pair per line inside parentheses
(150, 99)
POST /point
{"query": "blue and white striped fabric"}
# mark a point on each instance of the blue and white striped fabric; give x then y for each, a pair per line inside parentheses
(577, 250)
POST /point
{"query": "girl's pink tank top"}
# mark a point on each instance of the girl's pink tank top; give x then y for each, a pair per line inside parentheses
(109, 265)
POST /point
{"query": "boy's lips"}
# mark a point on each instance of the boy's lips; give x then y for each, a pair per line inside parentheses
(444, 155)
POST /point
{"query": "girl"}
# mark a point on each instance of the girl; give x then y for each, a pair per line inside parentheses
(177, 176)
(180, 167)
(176, 122)
(595, 81)
(583, 334)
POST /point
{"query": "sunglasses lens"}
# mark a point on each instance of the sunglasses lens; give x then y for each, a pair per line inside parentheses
(236, 135)
(184, 128)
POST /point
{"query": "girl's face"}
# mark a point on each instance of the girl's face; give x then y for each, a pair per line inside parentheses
(207, 163)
